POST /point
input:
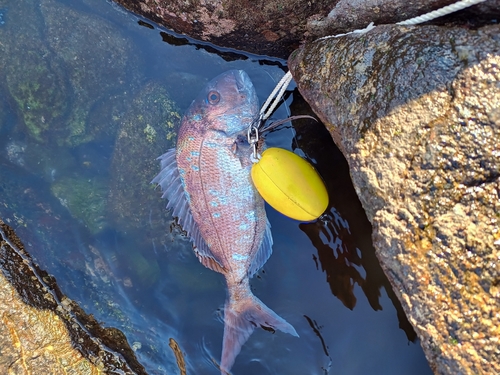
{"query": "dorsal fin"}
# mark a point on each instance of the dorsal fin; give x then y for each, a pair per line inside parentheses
(264, 252)
(170, 182)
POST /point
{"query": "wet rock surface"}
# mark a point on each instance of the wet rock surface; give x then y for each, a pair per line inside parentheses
(149, 129)
(43, 331)
(276, 27)
(415, 112)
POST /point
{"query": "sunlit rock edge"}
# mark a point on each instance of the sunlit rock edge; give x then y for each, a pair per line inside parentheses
(44, 332)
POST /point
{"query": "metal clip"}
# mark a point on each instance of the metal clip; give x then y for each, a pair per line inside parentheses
(253, 138)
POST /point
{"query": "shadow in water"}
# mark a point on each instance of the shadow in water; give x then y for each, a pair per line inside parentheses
(342, 236)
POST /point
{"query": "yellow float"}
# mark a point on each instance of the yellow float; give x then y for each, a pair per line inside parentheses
(290, 184)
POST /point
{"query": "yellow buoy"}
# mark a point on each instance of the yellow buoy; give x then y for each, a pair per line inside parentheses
(290, 184)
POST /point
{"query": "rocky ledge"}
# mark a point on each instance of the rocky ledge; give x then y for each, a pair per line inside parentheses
(277, 27)
(416, 112)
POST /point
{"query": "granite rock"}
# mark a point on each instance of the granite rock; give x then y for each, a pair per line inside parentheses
(416, 113)
(277, 27)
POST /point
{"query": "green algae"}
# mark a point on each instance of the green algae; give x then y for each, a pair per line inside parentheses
(38, 88)
(149, 130)
(85, 199)
(58, 79)
(150, 133)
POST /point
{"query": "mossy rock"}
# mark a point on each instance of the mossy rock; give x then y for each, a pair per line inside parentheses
(149, 130)
(67, 88)
(85, 199)
(39, 89)
(102, 75)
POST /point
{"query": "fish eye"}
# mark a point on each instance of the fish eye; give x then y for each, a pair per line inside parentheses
(213, 97)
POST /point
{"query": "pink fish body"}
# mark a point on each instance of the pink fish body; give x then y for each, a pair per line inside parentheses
(207, 182)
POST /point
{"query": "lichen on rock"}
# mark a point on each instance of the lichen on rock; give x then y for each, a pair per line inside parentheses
(43, 331)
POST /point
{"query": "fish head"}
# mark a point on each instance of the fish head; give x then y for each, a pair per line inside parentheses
(227, 104)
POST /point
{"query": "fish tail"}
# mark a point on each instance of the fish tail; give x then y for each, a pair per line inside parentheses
(241, 317)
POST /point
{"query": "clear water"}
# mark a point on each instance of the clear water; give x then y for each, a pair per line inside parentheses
(82, 83)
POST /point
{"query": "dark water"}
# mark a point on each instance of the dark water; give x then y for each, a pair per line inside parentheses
(89, 96)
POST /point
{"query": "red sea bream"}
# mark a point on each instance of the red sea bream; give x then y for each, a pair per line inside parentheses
(207, 182)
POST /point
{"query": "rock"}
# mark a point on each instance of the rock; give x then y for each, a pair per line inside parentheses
(97, 102)
(36, 85)
(277, 27)
(42, 331)
(149, 129)
(271, 27)
(348, 15)
(415, 112)
(55, 79)
(85, 199)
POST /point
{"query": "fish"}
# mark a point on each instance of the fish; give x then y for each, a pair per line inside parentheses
(207, 181)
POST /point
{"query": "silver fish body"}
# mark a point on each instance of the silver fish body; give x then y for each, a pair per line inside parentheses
(207, 182)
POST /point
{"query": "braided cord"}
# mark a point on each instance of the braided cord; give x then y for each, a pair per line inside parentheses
(440, 12)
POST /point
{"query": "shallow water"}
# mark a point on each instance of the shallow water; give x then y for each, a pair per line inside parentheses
(89, 96)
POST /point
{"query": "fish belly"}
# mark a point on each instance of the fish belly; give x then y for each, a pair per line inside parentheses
(228, 210)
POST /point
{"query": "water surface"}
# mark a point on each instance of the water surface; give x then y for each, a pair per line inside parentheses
(89, 96)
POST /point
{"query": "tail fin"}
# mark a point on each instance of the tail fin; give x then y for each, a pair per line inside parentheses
(240, 319)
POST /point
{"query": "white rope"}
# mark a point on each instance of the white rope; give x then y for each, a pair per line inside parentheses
(357, 31)
(282, 85)
(459, 5)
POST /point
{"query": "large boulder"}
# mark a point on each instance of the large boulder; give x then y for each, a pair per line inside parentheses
(276, 27)
(416, 113)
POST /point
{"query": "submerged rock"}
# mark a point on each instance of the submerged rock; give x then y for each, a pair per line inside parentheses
(97, 102)
(415, 112)
(84, 198)
(57, 81)
(149, 129)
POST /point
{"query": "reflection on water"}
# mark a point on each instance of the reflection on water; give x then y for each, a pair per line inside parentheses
(89, 97)
(346, 265)
(342, 237)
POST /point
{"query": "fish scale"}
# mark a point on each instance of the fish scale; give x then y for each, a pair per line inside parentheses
(207, 181)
